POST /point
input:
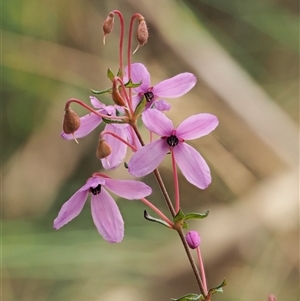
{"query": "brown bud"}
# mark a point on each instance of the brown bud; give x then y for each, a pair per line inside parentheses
(108, 25)
(142, 33)
(71, 121)
(116, 96)
(103, 149)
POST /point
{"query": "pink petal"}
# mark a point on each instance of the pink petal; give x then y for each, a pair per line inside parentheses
(128, 189)
(162, 105)
(139, 73)
(175, 86)
(196, 126)
(157, 122)
(192, 165)
(107, 217)
(71, 208)
(146, 159)
(118, 147)
(87, 124)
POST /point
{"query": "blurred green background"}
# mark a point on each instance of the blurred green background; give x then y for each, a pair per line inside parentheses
(245, 56)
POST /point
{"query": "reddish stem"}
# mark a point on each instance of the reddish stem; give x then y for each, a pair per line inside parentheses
(122, 27)
(158, 212)
(134, 149)
(117, 118)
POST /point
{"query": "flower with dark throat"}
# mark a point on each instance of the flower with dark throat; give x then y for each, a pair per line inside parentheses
(105, 212)
(170, 88)
(191, 163)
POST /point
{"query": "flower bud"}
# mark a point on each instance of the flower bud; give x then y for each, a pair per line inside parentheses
(108, 25)
(71, 121)
(103, 149)
(193, 239)
(116, 96)
(142, 33)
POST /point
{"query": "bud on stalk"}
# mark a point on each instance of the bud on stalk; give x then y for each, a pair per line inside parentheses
(108, 25)
(103, 149)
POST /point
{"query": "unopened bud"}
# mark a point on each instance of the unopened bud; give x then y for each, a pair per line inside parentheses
(108, 25)
(71, 121)
(193, 239)
(142, 33)
(116, 96)
(103, 149)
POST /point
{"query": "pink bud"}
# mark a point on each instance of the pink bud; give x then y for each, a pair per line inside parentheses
(193, 239)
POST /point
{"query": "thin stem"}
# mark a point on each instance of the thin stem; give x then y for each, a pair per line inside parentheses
(119, 138)
(134, 16)
(158, 212)
(117, 12)
(192, 262)
(202, 271)
(117, 118)
(176, 185)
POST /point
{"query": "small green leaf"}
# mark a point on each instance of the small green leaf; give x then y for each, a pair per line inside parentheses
(179, 216)
(189, 297)
(218, 289)
(101, 92)
(110, 74)
(130, 84)
(110, 121)
(140, 107)
(120, 73)
(194, 215)
(148, 217)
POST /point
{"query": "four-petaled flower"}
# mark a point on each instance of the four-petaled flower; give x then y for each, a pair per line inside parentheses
(191, 163)
(170, 88)
(105, 212)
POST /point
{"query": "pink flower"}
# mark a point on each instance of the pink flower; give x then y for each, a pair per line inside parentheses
(90, 121)
(105, 212)
(170, 88)
(191, 163)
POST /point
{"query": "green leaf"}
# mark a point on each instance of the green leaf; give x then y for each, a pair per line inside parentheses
(130, 84)
(101, 92)
(120, 73)
(110, 121)
(194, 215)
(110, 74)
(140, 107)
(148, 217)
(189, 297)
(179, 216)
(218, 289)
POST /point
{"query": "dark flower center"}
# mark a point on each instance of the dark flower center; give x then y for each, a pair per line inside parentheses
(172, 140)
(149, 96)
(95, 190)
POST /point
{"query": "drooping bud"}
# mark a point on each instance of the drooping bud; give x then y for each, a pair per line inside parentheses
(103, 149)
(142, 33)
(71, 121)
(193, 239)
(108, 25)
(116, 96)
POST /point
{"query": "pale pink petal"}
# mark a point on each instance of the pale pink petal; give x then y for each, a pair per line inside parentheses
(162, 105)
(192, 165)
(139, 73)
(93, 182)
(136, 100)
(175, 86)
(128, 189)
(146, 159)
(196, 126)
(87, 124)
(118, 147)
(157, 122)
(107, 217)
(71, 208)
